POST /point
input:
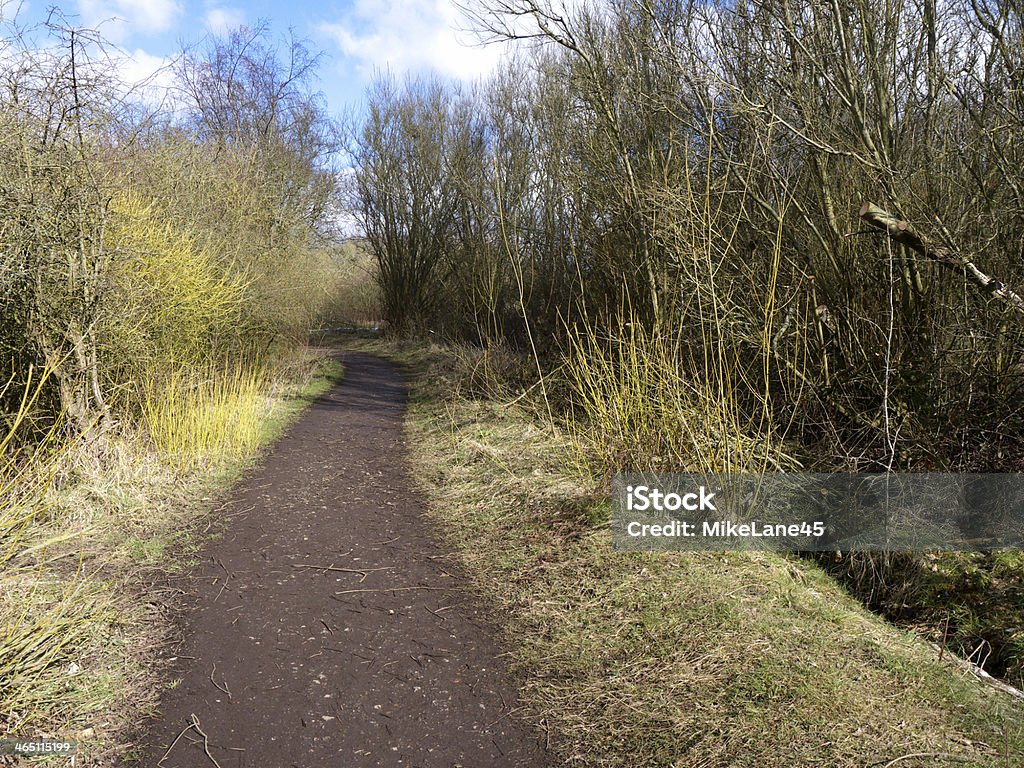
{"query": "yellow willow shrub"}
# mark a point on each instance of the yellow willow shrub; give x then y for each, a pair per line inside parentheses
(176, 303)
(637, 407)
(207, 416)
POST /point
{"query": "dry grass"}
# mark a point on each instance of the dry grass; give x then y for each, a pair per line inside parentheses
(45, 616)
(712, 659)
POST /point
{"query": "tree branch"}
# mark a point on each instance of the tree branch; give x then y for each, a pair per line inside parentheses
(903, 232)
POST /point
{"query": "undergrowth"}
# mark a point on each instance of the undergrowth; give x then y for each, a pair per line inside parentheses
(969, 602)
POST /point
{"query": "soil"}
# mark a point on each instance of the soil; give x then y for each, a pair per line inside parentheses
(327, 625)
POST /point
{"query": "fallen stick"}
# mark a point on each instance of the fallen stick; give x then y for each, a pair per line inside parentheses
(396, 589)
(342, 570)
(981, 674)
(192, 726)
(361, 571)
(217, 685)
(206, 740)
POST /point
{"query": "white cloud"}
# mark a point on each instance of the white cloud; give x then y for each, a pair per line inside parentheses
(411, 35)
(117, 20)
(220, 20)
(138, 66)
(149, 76)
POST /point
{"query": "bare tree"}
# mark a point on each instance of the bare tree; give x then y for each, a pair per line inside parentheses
(407, 196)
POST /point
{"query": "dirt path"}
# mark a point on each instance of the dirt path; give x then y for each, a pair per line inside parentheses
(329, 628)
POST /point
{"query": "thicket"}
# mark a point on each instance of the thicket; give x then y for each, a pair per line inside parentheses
(738, 235)
(143, 244)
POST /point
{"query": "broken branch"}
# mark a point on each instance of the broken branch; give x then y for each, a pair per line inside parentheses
(903, 232)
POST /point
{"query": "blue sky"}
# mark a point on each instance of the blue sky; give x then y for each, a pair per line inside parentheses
(357, 37)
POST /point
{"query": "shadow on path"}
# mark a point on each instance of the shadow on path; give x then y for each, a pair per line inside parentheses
(326, 630)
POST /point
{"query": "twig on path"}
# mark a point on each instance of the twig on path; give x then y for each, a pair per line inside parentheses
(361, 571)
(508, 713)
(438, 612)
(223, 688)
(397, 589)
(176, 740)
(227, 578)
(222, 512)
(346, 554)
(206, 740)
(193, 725)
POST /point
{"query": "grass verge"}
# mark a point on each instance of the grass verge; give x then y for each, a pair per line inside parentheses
(714, 659)
(95, 528)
